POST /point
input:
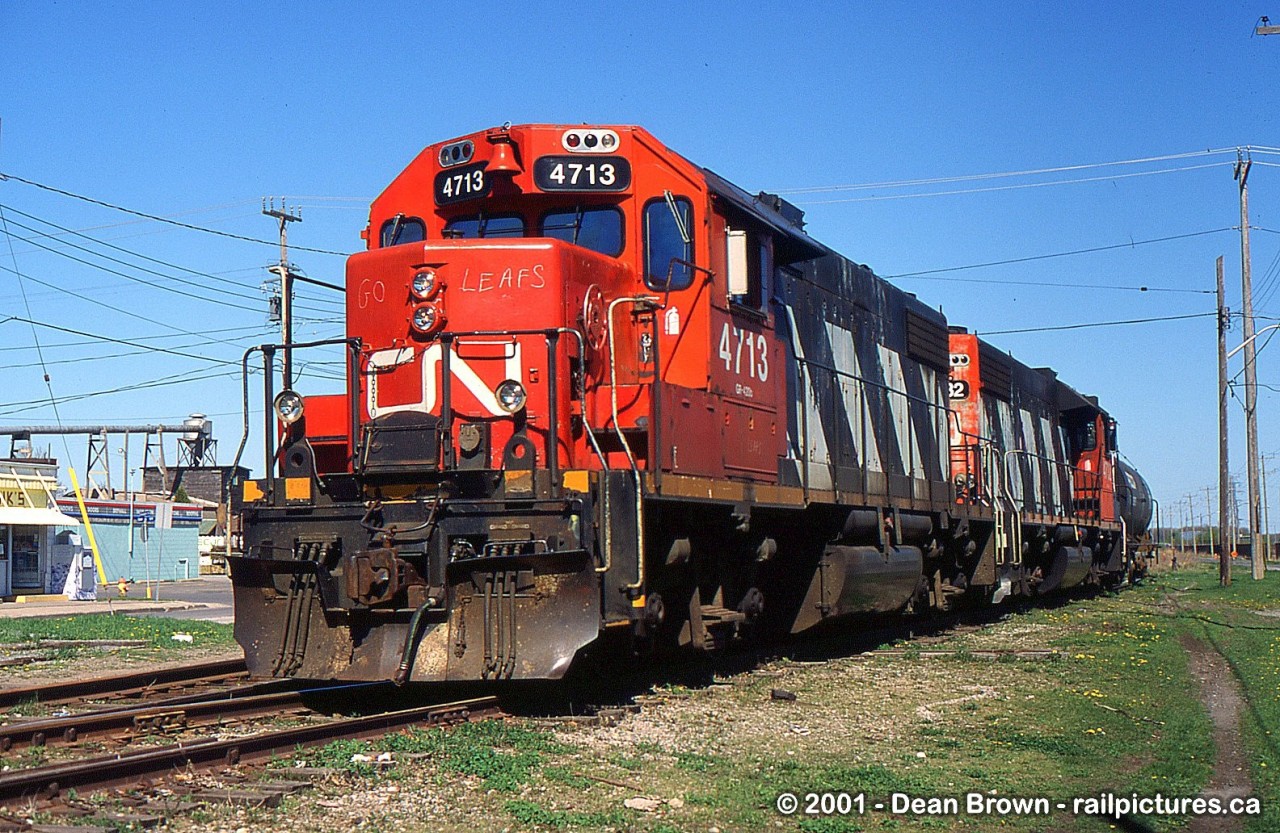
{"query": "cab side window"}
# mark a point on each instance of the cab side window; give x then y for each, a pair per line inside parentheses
(401, 229)
(750, 259)
(668, 240)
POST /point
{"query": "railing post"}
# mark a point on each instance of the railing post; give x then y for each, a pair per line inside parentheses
(268, 412)
(655, 408)
(353, 388)
(446, 399)
(553, 410)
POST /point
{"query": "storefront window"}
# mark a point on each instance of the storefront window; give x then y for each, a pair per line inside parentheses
(25, 556)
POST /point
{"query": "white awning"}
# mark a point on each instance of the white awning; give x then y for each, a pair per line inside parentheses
(31, 516)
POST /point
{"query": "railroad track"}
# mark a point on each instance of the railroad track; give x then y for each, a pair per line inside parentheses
(136, 684)
(141, 767)
(124, 724)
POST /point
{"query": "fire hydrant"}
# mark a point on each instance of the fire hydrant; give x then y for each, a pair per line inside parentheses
(123, 586)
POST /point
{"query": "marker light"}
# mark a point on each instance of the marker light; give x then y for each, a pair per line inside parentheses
(511, 396)
(288, 407)
(424, 285)
(427, 318)
(590, 140)
(456, 153)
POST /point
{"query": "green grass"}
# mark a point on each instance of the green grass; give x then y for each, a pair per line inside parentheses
(503, 755)
(157, 631)
(1228, 620)
(1117, 711)
(530, 813)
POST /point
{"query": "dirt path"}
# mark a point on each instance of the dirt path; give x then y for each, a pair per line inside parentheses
(1221, 695)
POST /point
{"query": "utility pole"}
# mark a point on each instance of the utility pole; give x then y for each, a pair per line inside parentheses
(286, 286)
(1224, 475)
(1243, 164)
(1208, 516)
(1189, 522)
(1235, 512)
(1266, 516)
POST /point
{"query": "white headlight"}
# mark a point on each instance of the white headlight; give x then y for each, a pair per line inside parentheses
(511, 396)
(424, 284)
(427, 318)
(288, 407)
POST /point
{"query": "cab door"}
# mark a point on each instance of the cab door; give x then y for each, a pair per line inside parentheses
(746, 358)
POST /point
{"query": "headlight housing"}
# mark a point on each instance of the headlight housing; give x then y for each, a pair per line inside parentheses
(426, 318)
(511, 396)
(425, 284)
(288, 406)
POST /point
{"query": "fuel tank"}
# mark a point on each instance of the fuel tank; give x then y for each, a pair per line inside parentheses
(1133, 499)
(1067, 567)
(853, 580)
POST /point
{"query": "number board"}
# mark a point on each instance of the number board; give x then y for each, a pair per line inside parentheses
(581, 173)
(458, 184)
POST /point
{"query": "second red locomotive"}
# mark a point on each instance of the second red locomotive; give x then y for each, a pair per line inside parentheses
(597, 391)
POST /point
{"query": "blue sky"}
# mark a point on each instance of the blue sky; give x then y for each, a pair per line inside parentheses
(196, 112)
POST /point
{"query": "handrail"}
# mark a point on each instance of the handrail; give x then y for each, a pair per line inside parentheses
(268, 355)
(1059, 466)
(1016, 548)
(639, 301)
(807, 366)
(553, 435)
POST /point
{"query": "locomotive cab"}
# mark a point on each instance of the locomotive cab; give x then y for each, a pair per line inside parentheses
(478, 478)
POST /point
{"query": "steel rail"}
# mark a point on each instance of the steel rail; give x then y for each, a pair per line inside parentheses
(137, 682)
(165, 714)
(132, 767)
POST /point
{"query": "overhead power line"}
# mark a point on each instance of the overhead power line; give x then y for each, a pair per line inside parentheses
(1089, 250)
(153, 284)
(258, 328)
(1066, 285)
(945, 180)
(204, 290)
(1097, 324)
(123, 341)
(158, 219)
(35, 335)
(130, 252)
(1017, 186)
(178, 379)
(103, 304)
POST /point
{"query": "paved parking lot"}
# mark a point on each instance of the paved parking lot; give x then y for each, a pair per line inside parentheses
(207, 598)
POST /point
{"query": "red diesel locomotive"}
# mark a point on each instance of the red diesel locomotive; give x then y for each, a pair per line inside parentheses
(596, 393)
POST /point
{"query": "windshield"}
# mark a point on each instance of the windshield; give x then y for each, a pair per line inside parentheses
(499, 225)
(596, 228)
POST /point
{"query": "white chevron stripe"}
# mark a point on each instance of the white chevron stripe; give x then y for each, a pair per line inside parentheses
(853, 392)
(898, 406)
